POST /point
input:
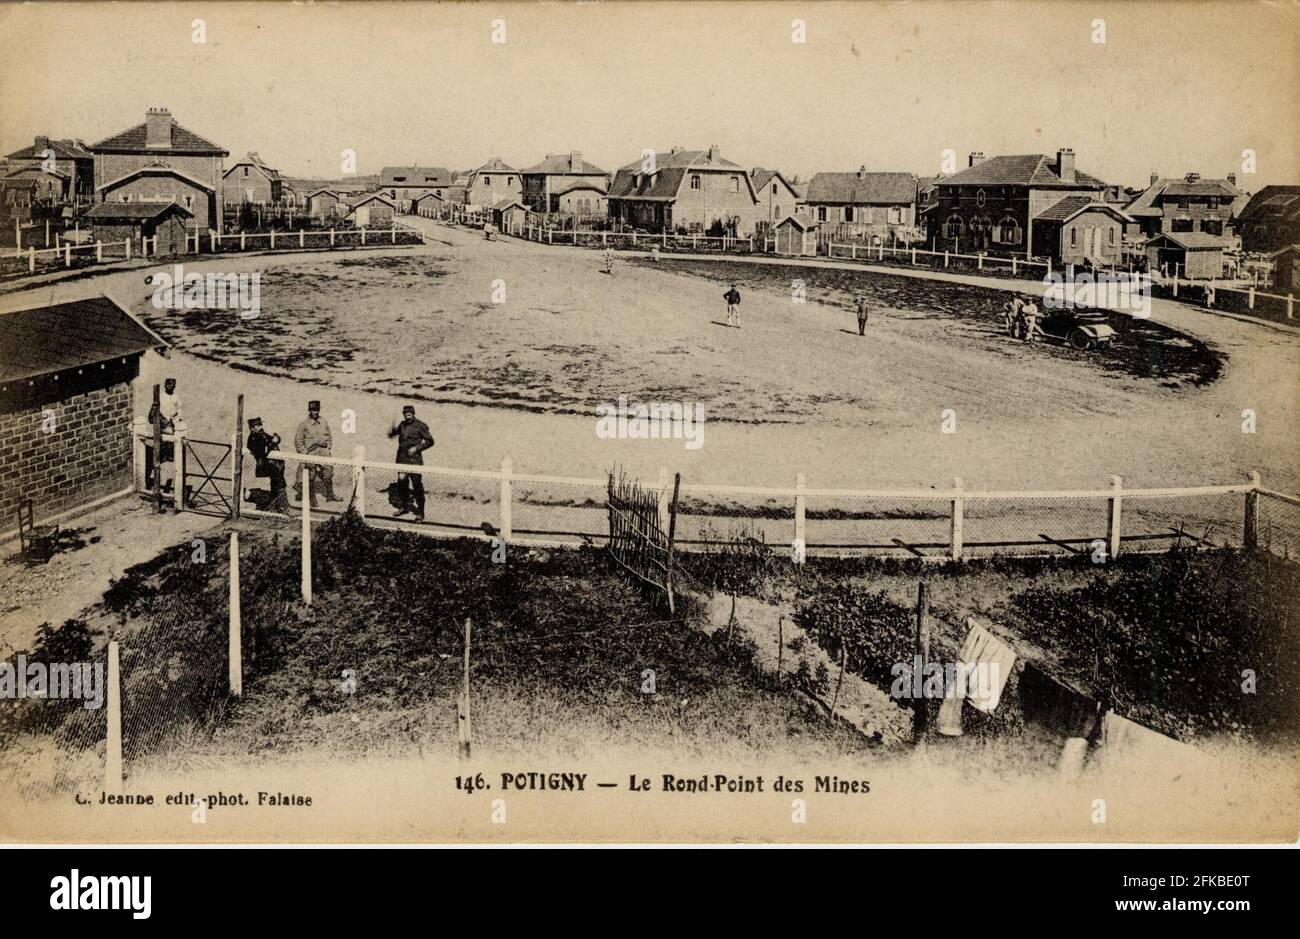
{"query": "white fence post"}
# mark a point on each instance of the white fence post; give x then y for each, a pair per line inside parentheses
(99, 252)
(1290, 305)
(178, 463)
(67, 255)
(799, 550)
(113, 736)
(306, 534)
(913, 255)
(212, 241)
(506, 497)
(363, 236)
(1113, 528)
(127, 242)
(243, 240)
(1250, 527)
(958, 509)
(331, 237)
(31, 260)
(945, 257)
(359, 479)
(235, 668)
(1250, 297)
(302, 238)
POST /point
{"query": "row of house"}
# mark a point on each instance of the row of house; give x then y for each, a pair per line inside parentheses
(1033, 205)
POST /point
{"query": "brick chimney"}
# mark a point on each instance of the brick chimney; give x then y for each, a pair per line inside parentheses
(1232, 179)
(575, 160)
(1193, 177)
(1155, 178)
(158, 128)
(713, 152)
(1065, 164)
(42, 143)
(976, 158)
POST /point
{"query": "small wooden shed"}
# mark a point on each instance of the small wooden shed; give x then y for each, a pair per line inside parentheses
(796, 234)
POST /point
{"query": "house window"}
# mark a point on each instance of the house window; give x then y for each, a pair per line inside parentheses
(1074, 237)
(189, 202)
(735, 184)
(245, 172)
(953, 227)
(774, 189)
(487, 180)
(1110, 236)
(1184, 203)
(1181, 224)
(848, 213)
(1212, 226)
(895, 216)
(695, 180)
(821, 213)
(1007, 232)
(510, 180)
(399, 179)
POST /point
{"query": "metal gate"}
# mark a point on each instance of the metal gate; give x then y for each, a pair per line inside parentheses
(209, 478)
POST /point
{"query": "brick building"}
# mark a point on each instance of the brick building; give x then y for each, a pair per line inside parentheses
(132, 165)
(1187, 204)
(252, 182)
(688, 190)
(1271, 219)
(863, 204)
(777, 197)
(990, 205)
(67, 375)
(135, 221)
(404, 183)
(560, 174)
(491, 183)
(371, 209)
(66, 160)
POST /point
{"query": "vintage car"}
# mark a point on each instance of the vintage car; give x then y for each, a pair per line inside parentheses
(1078, 329)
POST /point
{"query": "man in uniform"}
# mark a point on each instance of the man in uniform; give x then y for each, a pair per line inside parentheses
(732, 297)
(413, 438)
(1011, 315)
(313, 437)
(863, 315)
(260, 443)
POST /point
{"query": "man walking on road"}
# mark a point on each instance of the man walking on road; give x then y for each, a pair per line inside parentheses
(732, 297)
(413, 438)
(313, 437)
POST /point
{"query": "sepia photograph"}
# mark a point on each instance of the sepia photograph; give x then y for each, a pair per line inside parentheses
(759, 423)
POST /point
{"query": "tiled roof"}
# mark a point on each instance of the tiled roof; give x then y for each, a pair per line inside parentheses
(1033, 169)
(1071, 206)
(1273, 203)
(1145, 203)
(35, 171)
(64, 149)
(254, 160)
(494, 165)
(630, 182)
(183, 141)
(427, 195)
(365, 197)
(68, 335)
(557, 164)
(507, 203)
(156, 169)
(802, 219)
(592, 185)
(134, 210)
(862, 188)
(1193, 240)
(415, 176)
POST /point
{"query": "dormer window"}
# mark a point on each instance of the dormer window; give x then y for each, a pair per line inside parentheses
(695, 180)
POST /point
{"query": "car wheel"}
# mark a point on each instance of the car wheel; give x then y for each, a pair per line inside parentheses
(1079, 340)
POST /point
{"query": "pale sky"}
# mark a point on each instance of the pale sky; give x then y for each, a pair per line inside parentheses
(1176, 87)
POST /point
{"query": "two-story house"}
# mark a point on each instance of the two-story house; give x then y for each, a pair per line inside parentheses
(252, 182)
(1188, 204)
(64, 169)
(1270, 220)
(777, 197)
(161, 161)
(1025, 204)
(404, 183)
(861, 204)
(491, 183)
(685, 190)
(565, 182)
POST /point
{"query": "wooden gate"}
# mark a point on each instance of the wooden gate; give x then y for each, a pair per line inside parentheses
(207, 490)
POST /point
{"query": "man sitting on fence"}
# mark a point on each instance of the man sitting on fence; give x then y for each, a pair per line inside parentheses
(313, 437)
(413, 438)
(260, 443)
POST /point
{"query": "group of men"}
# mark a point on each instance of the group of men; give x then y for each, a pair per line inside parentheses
(1021, 319)
(313, 438)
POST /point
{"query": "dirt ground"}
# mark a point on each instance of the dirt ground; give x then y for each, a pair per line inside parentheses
(794, 390)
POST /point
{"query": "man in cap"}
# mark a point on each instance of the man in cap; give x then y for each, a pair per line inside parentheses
(260, 443)
(413, 438)
(863, 315)
(732, 297)
(313, 438)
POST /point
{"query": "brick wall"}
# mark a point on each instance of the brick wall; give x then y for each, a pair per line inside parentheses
(88, 454)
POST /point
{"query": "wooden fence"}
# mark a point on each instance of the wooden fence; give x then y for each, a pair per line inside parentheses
(639, 541)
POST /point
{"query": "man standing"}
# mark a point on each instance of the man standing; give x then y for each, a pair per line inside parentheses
(413, 438)
(863, 315)
(169, 406)
(609, 261)
(1011, 315)
(260, 443)
(732, 297)
(313, 437)
(1029, 312)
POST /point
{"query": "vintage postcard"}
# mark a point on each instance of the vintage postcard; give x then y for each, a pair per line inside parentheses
(649, 422)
